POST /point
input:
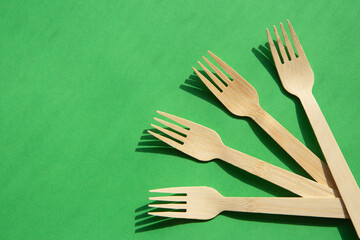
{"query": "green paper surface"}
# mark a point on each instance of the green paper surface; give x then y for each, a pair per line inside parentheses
(80, 81)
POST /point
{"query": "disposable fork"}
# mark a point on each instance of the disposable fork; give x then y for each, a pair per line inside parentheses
(206, 203)
(205, 144)
(297, 78)
(240, 98)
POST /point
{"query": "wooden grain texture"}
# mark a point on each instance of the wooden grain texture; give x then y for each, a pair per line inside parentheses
(205, 144)
(240, 98)
(297, 78)
(205, 203)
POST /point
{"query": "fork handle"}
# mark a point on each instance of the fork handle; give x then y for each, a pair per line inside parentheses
(312, 207)
(295, 183)
(344, 179)
(298, 151)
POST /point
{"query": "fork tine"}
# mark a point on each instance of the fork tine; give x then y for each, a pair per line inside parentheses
(227, 68)
(169, 205)
(180, 120)
(169, 198)
(218, 83)
(169, 214)
(167, 140)
(281, 46)
(173, 126)
(208, 84)
(274, 52)
(287, 42)
(169, 133)
(297, 44)
(218, 72)
(178, 190)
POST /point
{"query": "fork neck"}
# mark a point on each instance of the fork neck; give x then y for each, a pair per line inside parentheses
(235, 157)
(305, 95)
(238, 204)
(257, 112)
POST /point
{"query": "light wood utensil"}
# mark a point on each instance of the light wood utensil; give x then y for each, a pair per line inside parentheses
(297, 78)
(240, 98)
(205, 144)
(206, 203)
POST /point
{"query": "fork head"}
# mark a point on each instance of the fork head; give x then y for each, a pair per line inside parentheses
(237, 95)
(199, 203)
(295, 72)
(195, 140)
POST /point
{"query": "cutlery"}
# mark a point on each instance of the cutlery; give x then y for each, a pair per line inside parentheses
(241, 99)
(205, 144)
(297, 78)
(206, 203)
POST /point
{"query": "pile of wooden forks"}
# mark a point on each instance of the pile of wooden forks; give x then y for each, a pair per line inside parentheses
(333, 194)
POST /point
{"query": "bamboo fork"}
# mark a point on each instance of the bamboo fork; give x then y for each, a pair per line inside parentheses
(297, 78)
(241, 99)
(206, 203)
(205, 144)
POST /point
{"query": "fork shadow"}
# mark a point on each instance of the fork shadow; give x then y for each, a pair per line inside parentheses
(194, 86)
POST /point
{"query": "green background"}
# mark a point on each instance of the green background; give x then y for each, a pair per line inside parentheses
(81, 80)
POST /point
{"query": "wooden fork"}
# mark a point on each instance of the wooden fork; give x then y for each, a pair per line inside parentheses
(240, 98)
(206, 203)
(205, 144)
(297, 78)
